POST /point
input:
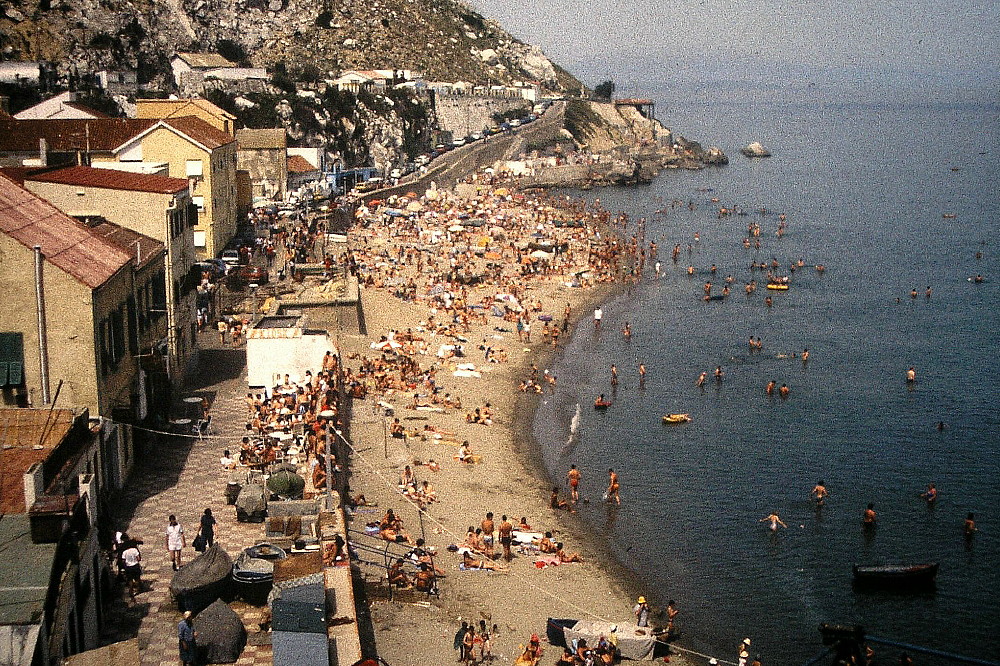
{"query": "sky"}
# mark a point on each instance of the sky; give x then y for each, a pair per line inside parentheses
(957, 42)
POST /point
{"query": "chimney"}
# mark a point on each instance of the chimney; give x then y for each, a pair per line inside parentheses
(32, 485)
(43, 152)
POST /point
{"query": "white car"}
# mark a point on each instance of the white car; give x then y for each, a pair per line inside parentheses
(230, 257)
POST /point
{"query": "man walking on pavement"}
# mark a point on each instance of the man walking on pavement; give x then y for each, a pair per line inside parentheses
(187, 639)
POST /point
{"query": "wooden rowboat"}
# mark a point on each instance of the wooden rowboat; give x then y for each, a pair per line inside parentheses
(676, 418)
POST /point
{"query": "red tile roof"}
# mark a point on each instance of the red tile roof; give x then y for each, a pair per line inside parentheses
(126, 239)
(99, 134)
(299, 164)
(111, 179)
(200, 131)
(66, 243)
(22, 430)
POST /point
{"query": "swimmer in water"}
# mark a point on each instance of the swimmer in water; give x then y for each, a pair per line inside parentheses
(769, 389)
(783, 391)
(930, 495)
(970, 525)
(869, 517)
(701, 380)
(820, 492)
(911, 375)
(775, 521)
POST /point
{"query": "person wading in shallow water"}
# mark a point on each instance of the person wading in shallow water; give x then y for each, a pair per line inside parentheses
(611, 494)
(819, 492)
(573, 479)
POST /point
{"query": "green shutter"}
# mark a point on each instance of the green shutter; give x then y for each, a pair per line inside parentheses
(11, 359)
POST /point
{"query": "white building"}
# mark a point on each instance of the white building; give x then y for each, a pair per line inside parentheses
(281, 344)
(61, 107)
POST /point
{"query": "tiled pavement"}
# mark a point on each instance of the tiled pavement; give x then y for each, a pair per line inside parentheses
(182, 475)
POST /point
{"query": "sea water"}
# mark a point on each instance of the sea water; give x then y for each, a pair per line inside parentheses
(865, 184)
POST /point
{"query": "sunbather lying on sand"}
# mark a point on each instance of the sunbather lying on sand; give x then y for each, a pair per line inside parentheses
(470, 562)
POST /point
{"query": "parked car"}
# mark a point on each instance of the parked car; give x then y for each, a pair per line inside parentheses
(230, 257)
(254, 274)
(369, 185)
(239, 278)
(457, 143)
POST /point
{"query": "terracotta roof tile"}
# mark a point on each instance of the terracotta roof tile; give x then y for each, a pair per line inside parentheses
(66, 243)
(22, 430)
(299, 164)
(107, 178)
(100, 134)
(200, 131)
(149, 248)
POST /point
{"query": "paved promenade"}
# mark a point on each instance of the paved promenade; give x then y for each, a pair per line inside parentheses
(182, 475)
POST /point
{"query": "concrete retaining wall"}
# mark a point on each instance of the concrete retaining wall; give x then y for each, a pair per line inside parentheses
(468, 114)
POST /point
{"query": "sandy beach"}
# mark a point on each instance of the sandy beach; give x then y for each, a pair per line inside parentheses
(507, 478)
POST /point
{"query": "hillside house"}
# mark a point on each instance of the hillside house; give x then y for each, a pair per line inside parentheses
(61, 107)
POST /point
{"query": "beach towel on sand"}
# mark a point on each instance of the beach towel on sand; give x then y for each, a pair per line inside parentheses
(543, 561)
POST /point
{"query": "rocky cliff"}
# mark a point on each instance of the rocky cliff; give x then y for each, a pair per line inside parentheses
(443, 39)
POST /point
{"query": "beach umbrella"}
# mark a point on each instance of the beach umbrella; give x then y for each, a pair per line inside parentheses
(456, 227)
(414, 207)
(539, 254)
(501, 192)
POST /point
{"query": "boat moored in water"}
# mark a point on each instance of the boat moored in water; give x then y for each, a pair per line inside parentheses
(897, 576)
(676, 418)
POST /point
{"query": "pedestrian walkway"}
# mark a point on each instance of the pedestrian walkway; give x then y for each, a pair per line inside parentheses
(182, 475)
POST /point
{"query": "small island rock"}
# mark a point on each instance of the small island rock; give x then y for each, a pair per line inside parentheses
(756, 149)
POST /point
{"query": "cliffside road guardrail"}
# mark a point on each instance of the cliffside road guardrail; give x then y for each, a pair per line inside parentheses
(458, 163)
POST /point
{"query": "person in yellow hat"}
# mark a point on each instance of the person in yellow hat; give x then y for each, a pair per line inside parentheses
(641, 611)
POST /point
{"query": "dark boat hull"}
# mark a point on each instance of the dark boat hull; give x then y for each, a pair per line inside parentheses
(898, 577)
